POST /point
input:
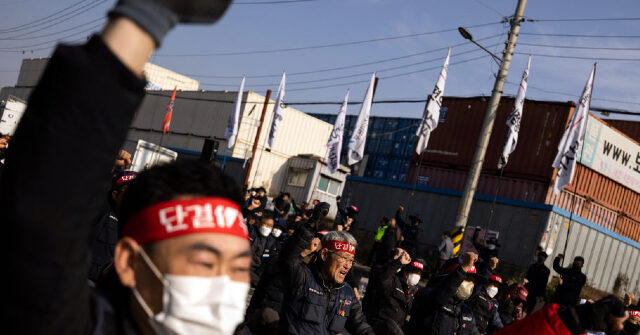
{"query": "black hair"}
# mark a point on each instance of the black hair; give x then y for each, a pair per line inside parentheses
(286, 194)
(180, 178)
(446, 233)
(579, 259)
(267, 214)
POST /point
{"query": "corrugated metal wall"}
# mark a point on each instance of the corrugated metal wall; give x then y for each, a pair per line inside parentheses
(520, 227)
(511, 188)
(606, 192)
(606, 257)
(629, 128)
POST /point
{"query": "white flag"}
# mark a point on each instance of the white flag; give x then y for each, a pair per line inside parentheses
(359, 137)
(513, 122)
(572, 139)
(431, 114)
(334, 145)
(232, 124)
(278, 111)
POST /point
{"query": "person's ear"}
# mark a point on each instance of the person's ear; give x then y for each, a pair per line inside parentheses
(114, 194)
(124, 261)
(324, 255)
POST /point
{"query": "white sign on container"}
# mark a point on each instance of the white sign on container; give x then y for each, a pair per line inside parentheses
(612, 154)
(149, 154)
(11, 115)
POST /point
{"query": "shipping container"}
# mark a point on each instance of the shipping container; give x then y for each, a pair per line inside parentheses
(452, 144)
(603, 191)
(510, 188)
(629, 128)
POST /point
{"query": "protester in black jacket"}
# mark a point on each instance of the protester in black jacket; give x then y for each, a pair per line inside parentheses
(538, 277)
(485, 306)
(410, 231)
(263, 245)
(572, 281)
(282, 205)
(106, 230)
(395, 290)
(317, 300)
(83, 105)
(266, 301)
(440, 308)
(389, 242)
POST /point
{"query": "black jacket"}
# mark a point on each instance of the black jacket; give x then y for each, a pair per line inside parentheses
(393, 298)
(538, 276)
(79, 112)
(572, 282)
(485, 310)
(262, 249)
(310, 306)
(436, 311)
(104, 242)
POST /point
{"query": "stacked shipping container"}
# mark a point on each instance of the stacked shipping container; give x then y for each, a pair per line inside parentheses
(528, 176)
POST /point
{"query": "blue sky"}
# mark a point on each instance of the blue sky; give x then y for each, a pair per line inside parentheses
(249, 27)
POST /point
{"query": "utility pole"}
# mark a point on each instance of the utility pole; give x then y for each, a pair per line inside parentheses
(255, 141)
(489, 120)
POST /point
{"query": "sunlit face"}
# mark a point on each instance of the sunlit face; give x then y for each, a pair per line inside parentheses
(199, 255)
(336, 265)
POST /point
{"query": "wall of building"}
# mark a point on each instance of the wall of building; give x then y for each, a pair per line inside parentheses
(607, 254)
(522, 226)
(520, 223)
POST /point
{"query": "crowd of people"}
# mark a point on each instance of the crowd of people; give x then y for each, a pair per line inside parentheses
(178, 249)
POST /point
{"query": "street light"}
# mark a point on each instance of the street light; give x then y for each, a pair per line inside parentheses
(467, 35)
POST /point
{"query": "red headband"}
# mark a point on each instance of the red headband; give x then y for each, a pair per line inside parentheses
(340, 246)
(417, 265)
(183, 217)
(635, 313)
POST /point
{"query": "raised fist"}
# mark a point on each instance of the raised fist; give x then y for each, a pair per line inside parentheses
(468, 260)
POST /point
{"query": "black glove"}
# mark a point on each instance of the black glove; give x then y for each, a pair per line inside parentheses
(157, 17)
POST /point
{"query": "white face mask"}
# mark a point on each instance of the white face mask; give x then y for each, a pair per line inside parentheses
(491, 247)
(196, 305)
(492, 291)
(276, 233)
(413, 279)
(265, 231)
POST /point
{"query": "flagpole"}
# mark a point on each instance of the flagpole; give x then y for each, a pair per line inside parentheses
(161, 137)
(224, 159)
(257, 138)
(415, 183)
(573, 201)
(495, 198)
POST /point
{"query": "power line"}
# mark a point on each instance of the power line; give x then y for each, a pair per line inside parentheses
(555, 92)
(580, 57)
(25, 48)
(491, 9)
(581, 35)
(289, 74)
(386, 101)
(102, 19)
(388, 77)
(62, 19)
(321, 46)
(16, 28)
(368, 73)
(586, 19)
(577, 47)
